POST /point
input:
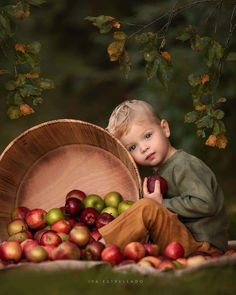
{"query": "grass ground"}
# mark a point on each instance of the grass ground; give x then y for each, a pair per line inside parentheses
(101, 280)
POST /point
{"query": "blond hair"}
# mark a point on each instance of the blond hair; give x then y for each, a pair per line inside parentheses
(126, 112)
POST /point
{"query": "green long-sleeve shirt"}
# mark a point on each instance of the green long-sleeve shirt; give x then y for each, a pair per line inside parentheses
(194, 194)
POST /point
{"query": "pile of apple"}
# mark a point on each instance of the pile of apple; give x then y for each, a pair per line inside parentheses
(68, 232)
(71, 233)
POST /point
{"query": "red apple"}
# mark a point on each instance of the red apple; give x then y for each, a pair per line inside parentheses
(195, 261)
(151, 249)
(167, 264)
(38, 234)
(79, 235)
(95, 235)
(16, 226)
(66, 250)
(112, 254)
(49, 249)
(10, 251)
(154, 261)
(20, 237)
(173, 250)
(73, 206)
(50, 237)
(93, 251)
(151, 184)
(76, 194)
(89, 216)
(19, 212)
(27, 244)
(134, 251)
(36, 218)
(36, 254)
(64, 237)
(61, 226)
(103, 219)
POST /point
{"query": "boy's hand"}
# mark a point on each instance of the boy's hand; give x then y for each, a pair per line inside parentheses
(156, 195)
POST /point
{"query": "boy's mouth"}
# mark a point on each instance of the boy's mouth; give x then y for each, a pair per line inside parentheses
(150, 156)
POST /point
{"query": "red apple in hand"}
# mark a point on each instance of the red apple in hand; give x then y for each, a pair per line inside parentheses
(89, 216)
(76, 194)
(134, 251)
(173, 250)
(103, 219)
(36, 218)
(151, 184)
(112, 254)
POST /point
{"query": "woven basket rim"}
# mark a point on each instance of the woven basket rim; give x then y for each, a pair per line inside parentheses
(85, 123)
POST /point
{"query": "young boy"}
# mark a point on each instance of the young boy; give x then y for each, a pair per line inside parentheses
(192, 213)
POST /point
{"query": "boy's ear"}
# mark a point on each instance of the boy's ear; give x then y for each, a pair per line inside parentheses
(165, 127)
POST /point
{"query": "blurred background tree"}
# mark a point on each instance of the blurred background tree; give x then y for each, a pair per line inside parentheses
(88, 86)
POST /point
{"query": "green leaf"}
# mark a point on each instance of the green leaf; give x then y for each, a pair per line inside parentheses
(102, 22)
(231, 56)
(205, 122)
(119, 36)
(151, 68)
(216, 128)
(125, 63)
(191, 117)
(200, 43)
(149, 56)
(194, 80)
(214, 53)
(37, 100)
(13, 112)
(201, 133)
(218, 114)
(115, 50)
(183, 36)
(17, 99)
(46, 84)
(164, 72)
(34, 47)
(147, 40)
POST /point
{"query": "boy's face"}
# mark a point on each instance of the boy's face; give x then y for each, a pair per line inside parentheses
(148, 142)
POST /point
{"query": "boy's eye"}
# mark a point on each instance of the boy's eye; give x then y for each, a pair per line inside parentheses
(148, 135)
(132, 148)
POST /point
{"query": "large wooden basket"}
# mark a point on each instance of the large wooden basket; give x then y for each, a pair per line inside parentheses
(44, 163)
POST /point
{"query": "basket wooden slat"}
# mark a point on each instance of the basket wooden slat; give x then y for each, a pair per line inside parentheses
(44, 163)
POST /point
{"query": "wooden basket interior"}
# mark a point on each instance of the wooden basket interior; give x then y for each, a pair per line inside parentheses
(40, 166)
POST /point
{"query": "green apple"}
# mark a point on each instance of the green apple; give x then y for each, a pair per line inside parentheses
(54, 215)
(124, 205)
(111, 210)
(113, 199)
(94, 201)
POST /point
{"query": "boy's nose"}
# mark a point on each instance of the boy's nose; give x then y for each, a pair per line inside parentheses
(144, 148)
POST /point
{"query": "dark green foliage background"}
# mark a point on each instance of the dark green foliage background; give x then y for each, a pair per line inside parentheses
(88, 86)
